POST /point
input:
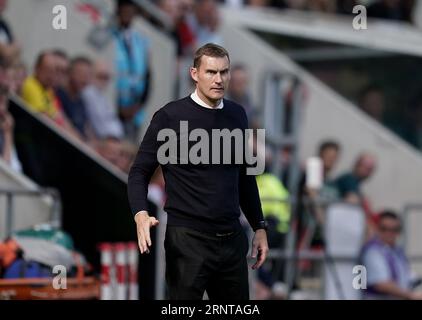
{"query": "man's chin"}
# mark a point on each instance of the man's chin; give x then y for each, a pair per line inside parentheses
(216, 97)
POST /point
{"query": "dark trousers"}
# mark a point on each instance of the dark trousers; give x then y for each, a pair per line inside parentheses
(197, 262)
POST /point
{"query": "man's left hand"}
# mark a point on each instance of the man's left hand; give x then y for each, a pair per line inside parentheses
(259, 248)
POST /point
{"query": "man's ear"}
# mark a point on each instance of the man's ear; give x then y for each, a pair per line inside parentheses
(194, 74)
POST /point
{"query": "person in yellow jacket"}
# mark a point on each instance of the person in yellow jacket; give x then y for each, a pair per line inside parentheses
(39, 95)
(274, 201)
(276, 209)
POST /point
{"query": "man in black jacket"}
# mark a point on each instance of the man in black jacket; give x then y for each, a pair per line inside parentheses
(206, 247)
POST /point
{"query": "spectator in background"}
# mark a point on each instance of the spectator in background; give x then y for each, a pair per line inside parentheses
(8, 47)
(62, 68)
(239, 90)
(387, 268)
(19, 75)
(411, 129)
(349, 184)
(133, 71)
(7, 148)
(185, 34)
(177, 11)
(328, 152)
(310, 232)
(276, 210)
(101, 114)
(38, 92)
(372, 101)
(205, 22)
(80, 73)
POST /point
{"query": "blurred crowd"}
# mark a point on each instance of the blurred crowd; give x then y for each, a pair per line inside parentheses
(71, 93)
(384, 9)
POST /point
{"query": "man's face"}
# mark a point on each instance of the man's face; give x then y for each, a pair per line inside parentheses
(46, 71)
(329, 159)
(80, 76)
(365, 167)
(173, 8)
(212, 78)
(389, 230)
(204, 10)
(62, 69)
(102, 76)
(126, 15)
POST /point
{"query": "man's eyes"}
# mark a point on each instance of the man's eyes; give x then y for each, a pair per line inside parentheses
(215, 72)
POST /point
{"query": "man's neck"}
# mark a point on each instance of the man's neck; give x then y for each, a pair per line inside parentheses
(72, 92)
(211, 103)
(40, 82)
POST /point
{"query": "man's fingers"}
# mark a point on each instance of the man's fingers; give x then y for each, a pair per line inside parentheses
(154, 222)
(254, 250)
(144, 237)
(141, 240)
(255, 266)
(261, 259)
(147, 235)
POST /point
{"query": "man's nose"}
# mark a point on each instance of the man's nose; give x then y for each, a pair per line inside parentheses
(218, 78)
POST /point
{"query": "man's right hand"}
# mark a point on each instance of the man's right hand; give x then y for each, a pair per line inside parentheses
(143, 223)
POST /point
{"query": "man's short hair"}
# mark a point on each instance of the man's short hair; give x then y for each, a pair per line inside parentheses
(122, 3)
(40, 58)
(210, 50)
(329, 144)
(60, 53)
(78, 60)
(388, 214)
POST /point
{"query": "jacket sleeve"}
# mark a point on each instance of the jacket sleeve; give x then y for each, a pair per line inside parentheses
(145, 164)
(249, 200)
